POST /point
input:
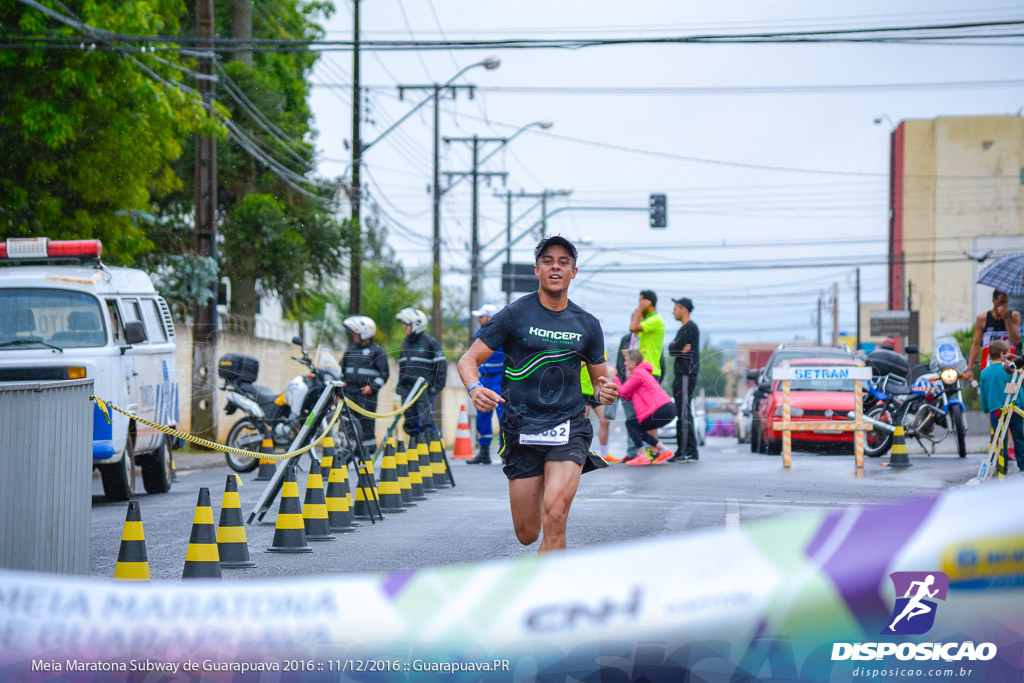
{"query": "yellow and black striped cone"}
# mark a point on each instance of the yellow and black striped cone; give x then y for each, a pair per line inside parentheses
(1001, 455)
(132, 563)
(367, 496)
(202, 561)
(266, 470)
(404, 482)
(898, 456)
(314, 508)
(426, 467)
(232, 545)
(174, 466)
(290, 532)
(437, 463)
(390, 491)
(415, 478)
(339, 497)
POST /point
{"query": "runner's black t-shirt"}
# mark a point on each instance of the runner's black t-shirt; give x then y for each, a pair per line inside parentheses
(543, 350)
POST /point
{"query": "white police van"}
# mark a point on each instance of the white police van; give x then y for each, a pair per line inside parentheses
(65, 315)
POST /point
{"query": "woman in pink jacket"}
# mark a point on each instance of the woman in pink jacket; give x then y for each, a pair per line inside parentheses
(653, 407)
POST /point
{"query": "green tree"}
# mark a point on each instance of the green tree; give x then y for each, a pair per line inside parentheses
(89, 137)
(971, 397)
(280, 236)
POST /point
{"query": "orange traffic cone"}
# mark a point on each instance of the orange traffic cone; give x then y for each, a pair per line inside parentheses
(463, 439)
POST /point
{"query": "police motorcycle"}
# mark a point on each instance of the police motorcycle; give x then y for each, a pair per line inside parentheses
(926, 400)
(270, 414)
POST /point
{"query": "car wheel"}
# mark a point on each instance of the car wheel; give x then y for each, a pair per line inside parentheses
(769, 447)
(156, 469)
(119, 477)
(755, 436)
(246, 436)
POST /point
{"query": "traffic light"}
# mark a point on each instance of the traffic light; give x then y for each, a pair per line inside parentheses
(659, 211)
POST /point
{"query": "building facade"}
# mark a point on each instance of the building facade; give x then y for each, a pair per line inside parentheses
(956, 193)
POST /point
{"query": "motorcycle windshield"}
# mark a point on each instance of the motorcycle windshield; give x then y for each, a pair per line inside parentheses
(948, 355)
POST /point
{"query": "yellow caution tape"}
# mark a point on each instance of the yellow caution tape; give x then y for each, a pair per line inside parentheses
(107, 407)
(362, 411)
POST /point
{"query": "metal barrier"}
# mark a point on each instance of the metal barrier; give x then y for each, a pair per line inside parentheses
(46, 475)
(787, 373)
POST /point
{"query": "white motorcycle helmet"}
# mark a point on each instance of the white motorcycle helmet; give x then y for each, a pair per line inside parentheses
(361, 326)
(414, 317)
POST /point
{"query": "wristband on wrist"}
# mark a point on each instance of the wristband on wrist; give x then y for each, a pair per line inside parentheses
(473, 386)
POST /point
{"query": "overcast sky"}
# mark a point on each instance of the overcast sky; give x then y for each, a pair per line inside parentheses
(759, 159)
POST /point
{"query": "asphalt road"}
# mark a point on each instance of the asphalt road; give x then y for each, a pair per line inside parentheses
(472, 522)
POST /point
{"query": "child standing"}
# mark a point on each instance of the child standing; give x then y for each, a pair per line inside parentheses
(994, 379)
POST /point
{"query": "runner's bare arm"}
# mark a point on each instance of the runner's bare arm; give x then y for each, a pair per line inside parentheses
(1013, 329)
(605, 390)
(484, 399)
(972, 356)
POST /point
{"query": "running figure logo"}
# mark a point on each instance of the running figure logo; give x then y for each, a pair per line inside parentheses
(914, 613)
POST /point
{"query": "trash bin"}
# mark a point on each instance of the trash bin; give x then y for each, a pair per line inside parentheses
(45, 475)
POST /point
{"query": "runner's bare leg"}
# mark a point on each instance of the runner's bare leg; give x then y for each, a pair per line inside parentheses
(526, 497)
(559, 488)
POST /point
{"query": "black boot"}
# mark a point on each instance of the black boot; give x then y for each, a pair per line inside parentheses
(483, 457)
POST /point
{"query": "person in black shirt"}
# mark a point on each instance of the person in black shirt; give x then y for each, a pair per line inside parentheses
(545, 436)
(364, 367)
(420, 356)
(685, 348)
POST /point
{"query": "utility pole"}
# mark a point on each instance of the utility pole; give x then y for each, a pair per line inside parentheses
(475, 173)
(858, 308)
(835, 314)
(508, 240)
(355, 284)
(436, 322)
(819, 320)
(241, 27)
(204, 315)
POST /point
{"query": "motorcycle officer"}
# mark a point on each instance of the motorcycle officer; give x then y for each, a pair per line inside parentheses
(364, 367)
(420, 356)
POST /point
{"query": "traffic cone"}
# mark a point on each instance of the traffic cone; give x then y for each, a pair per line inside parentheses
(290, 532)
(267, 467)
(898, 455)
(437, 463)
(202, 561)
(463, 439)
(426, 467)
(390, 491)
(231, 542)
(339, 498)
(174, 466)
(404, 482)
(1001, 455)
(314, 508)
(415, 477)
(132, 563)
(366, 492)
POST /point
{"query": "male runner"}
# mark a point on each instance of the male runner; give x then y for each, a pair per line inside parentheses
(999, 323)
(545, 436)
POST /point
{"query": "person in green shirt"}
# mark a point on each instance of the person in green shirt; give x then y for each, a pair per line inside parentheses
(649, 327)
(994, 379)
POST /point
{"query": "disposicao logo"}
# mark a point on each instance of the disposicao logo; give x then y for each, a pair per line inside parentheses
(914, 614)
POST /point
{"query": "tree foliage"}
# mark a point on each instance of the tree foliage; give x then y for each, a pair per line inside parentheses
(88, 137)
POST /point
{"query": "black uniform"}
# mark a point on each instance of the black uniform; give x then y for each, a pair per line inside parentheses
(364, 366)
(541, 382)
(421, 356)
(687, 366)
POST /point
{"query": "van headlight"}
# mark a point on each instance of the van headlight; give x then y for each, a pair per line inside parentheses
(794, 411)
(949, 375)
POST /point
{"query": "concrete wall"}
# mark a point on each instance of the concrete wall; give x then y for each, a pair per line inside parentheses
(962, 189)
(276, 368)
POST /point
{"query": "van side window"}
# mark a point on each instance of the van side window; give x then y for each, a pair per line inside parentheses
(115, 321)
(132, 312)
(154, 325)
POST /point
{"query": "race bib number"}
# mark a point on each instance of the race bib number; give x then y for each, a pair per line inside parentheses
(556, 436)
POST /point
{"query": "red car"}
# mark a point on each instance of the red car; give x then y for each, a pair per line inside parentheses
(810, 401)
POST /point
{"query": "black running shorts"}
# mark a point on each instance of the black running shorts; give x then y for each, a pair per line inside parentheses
(523, 462)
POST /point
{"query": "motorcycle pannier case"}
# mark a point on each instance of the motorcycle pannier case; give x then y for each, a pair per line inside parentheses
(238, 367)
(884, 362)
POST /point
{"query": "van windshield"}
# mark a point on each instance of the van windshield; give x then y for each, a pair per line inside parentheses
(50, 317)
